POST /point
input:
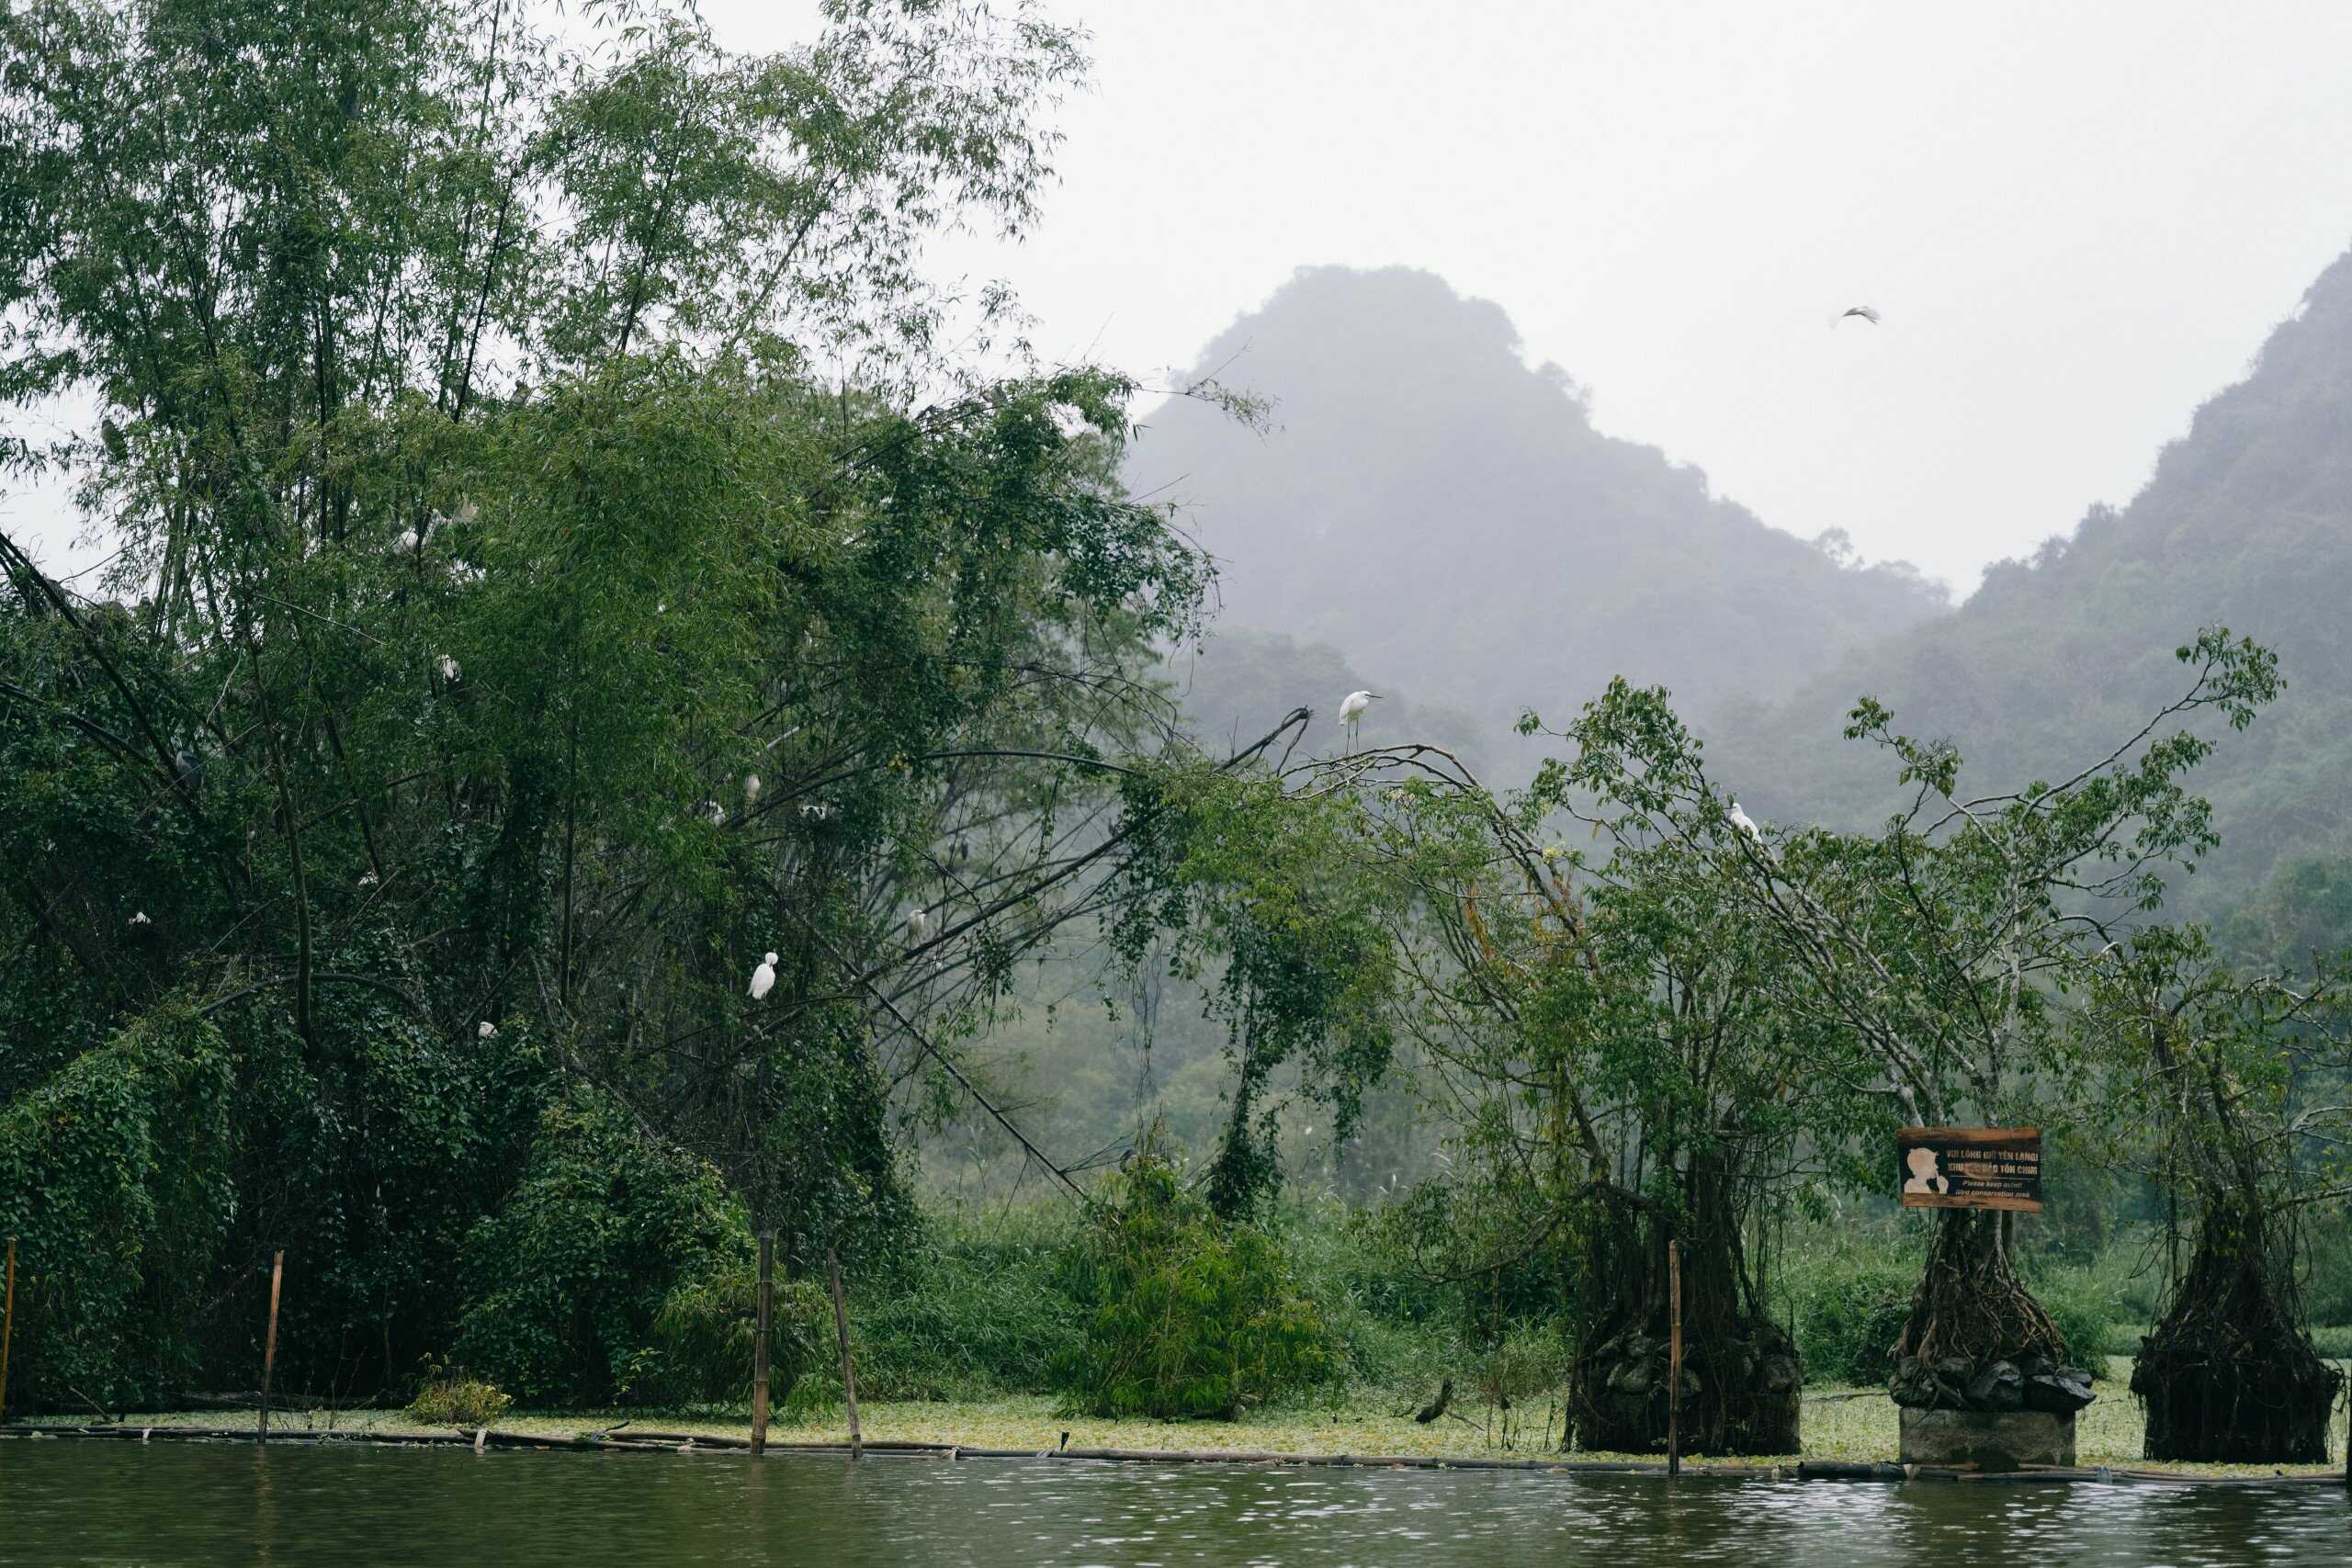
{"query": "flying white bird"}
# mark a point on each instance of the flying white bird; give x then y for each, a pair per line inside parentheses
(917, 923)
(1745, 823)
(763, 977)
(751, 788)
(448, 669)
(1352, 708)
(488, 1031)
(1866, 312)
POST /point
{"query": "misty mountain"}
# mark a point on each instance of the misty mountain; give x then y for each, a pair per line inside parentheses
(1449, 520)
(2247, 522)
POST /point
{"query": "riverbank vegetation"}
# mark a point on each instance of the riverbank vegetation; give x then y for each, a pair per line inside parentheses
(620, 712)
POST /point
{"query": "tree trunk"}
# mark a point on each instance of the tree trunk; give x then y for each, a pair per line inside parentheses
(1741, 1376)
(2230, 1375)
(1977, 1339)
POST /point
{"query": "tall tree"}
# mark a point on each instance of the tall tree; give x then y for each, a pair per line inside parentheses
(563, 560)
(1942, 947)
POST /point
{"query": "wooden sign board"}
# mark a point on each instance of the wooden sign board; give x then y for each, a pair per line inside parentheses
(1970, 1167)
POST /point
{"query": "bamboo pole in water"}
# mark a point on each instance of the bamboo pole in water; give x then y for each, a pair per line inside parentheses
(1674, 1359)
(848, 1371)
(759, 1344)
(269, 1344)
(7, 1327)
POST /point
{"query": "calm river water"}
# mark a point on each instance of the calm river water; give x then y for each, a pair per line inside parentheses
(73, 1502)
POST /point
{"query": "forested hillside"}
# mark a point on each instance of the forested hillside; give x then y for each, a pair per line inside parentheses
(1451, 519)
(2247, 522)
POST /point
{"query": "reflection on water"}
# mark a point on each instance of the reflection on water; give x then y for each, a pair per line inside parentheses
(118, 1503)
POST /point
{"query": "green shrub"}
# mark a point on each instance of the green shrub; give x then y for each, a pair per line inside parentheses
(1847, 1314)
(453, 1397)
(2327, 1288)
(1392, 1327)
(975, 1310)
(567, 1278)
(1184, 1315)
(2332, 1341)
(114, 1177)
(2083, 1305)
(707, 1329)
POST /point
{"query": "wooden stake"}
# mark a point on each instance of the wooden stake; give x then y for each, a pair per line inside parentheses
(7, 1327)
(760, 1345)
(1674, 1359)
(269, 1345)
(848, 1371)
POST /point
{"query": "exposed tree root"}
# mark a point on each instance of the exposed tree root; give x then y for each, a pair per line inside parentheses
(2230, 1376)
(1977, 1339)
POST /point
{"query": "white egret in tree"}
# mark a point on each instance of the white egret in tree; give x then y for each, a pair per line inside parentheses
(488, 1031)
(717, 813)
(917, 922)
(763, 977)
(1866, 312)
(1745, 823)
(189, 768)
(751, 789)
(366, 879)
(1352, 708)
(407, 541)
(140, 919)
(448, 670)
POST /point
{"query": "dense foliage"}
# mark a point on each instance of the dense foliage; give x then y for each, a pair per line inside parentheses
(1183, 1314)
(552, 578)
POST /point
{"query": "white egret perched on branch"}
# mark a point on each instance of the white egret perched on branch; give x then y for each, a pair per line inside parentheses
(1745, 823)
(1352, 708)
(1866, 312)
(751, 789)
(917, 923)
(488, 1031)
(763, 977)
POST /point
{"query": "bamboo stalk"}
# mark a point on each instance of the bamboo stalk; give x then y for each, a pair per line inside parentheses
(759, 1344)
(849, 1368)
(7, 1327)
(269, 1344)
(1674, 1359)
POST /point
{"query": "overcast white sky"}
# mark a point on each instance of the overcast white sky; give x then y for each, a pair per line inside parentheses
(2079, 219)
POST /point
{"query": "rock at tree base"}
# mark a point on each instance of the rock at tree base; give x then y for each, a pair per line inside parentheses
(1990, 1441)
(2029, 1383)
(1739, 1396)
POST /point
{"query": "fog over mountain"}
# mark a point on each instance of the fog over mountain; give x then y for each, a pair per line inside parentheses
(1451, 521)
(1446, 519)
(2246, 523)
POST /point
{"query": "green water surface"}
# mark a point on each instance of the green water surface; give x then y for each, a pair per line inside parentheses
(66, 1502)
